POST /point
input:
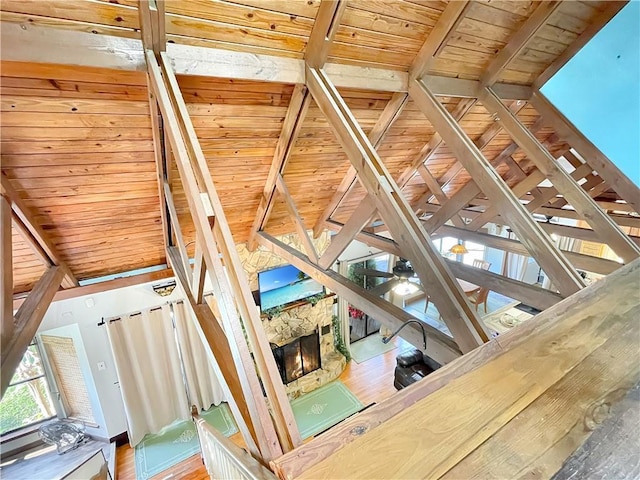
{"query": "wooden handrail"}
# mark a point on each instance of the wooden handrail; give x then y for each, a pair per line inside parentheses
(224, 459)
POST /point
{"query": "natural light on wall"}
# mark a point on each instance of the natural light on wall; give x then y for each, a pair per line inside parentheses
(598, 90)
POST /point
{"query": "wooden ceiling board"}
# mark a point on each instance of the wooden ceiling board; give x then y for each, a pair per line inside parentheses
(27, 267)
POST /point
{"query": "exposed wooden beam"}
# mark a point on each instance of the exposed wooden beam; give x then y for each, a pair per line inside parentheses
(437, 39)
(324, 29)
(451, 301)
(296, 219)
(577, 232)
(226, 356)
(529, 294)
(105, 286)
(537, 242)
(481, 142)
(6, 275)
(177, 231)
(359, 218)
(27, 320)
(532, 295)
(230, 285)
(370, 239)
(561, 180)
(594, 27)
(296, 112)
(152, 23)
(37, 237)
(519, 41)
(464, 88)
(439, 346)
(391, 112)
(614, 177)
(589, 263)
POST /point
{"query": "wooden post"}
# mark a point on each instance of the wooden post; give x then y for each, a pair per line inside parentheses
(6, 275)
(398, 216)
(537, 242)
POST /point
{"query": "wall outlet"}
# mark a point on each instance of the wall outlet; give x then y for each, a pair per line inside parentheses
(101, 366)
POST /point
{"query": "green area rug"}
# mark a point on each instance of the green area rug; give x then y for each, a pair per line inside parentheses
(323, 408)
(369, 347)
(177, 442)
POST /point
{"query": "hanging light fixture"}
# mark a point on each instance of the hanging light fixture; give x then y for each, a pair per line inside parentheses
(405, 287)
(459, 249)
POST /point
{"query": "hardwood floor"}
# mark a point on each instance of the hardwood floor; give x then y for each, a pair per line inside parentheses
(370, 381)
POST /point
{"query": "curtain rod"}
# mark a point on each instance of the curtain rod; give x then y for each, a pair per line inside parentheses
(115, 319)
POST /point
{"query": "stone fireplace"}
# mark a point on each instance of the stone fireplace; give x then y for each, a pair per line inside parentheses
(303, 321)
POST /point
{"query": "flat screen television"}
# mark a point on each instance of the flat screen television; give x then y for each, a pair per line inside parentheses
(284, 285)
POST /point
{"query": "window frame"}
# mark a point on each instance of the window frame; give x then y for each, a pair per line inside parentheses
(29, 428)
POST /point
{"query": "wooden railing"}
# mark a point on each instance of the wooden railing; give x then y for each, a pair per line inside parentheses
(224, 459)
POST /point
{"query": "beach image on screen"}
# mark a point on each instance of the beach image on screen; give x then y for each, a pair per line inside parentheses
(284, 285)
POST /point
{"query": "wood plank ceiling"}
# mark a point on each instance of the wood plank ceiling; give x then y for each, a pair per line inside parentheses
(77, 144)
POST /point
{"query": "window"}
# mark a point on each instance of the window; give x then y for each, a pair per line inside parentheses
(27, 400)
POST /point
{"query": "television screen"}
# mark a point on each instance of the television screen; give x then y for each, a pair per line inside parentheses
(284, 285)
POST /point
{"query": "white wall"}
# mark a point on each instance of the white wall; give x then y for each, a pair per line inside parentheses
(76, 311)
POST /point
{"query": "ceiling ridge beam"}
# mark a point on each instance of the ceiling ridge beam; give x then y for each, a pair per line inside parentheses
(291, 126)
(37, 238)
(566, 185)
(519, 41)
(462, 320)
(603, 166)
(537, 242)
(389, 115)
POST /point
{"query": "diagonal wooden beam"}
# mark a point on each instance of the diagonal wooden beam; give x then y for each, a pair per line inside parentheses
(324, 29)
(537, 242)
(391, 112)
(34, 233)
(27, 320)
(296, 219)
(403, 224)
(614, 177)
(231, 287)
(291, 126)
(359, 218)
(452, 15)
(519, 41)
(439, 346)
(457, 167)
(562, 181)
(226, 356)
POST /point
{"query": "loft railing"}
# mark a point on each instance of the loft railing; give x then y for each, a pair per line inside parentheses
(224, 459)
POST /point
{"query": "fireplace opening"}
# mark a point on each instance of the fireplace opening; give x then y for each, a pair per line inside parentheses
(298, 357)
